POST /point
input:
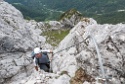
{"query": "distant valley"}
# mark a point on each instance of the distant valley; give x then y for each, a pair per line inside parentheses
(103, 11)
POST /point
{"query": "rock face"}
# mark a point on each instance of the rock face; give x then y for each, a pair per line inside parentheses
(17, 38)
(70, 18)
(110, 42)
(75, 61)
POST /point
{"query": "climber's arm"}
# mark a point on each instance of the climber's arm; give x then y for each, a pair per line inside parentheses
(47, 51)
(35, 64)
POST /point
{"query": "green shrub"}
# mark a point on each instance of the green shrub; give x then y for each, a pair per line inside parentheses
(55, 36)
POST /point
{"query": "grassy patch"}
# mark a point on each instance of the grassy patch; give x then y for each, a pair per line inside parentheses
(55, 36)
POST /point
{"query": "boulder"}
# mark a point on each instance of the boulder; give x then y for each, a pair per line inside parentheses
(90, 40)
(17, 39)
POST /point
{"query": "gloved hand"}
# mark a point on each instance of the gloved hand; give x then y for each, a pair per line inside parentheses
(36, 68)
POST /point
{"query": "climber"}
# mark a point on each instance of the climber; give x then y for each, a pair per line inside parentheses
(41, 59)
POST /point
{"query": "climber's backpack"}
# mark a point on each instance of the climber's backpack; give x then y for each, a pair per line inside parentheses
(32, 55)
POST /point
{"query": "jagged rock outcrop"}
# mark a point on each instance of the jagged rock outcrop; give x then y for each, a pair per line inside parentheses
(17, 38)
(110, 40)
(70, 18)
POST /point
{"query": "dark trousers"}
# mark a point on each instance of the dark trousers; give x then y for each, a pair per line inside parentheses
(45, 66)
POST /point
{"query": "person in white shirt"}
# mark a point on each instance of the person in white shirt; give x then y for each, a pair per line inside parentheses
(41, 59)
